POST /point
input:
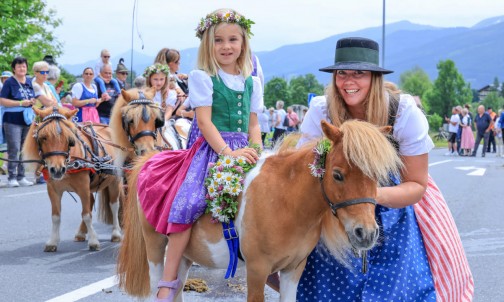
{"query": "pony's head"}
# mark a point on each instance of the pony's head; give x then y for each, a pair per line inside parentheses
(359, 159)
(135, 120)
(53, 137)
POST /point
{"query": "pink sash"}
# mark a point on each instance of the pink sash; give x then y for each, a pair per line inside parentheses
(90, 114)
(452, 276)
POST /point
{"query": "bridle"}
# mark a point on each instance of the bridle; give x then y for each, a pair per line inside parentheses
(55, 116)
(143, 101)
(335, 206)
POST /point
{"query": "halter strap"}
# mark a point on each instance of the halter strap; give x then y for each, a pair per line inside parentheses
(346, 203)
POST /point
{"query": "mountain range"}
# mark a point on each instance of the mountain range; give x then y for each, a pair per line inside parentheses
(478, 52)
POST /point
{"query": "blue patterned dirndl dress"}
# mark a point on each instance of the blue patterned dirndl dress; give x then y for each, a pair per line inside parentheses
(398, 269)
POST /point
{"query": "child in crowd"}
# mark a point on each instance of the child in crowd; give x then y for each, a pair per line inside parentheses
(157, 77)
(227, 101)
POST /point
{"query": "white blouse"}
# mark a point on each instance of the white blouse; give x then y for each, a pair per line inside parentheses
(411, 129)
(170, 100)
(201, 89)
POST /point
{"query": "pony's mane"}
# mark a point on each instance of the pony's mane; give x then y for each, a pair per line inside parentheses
(118, 135)
(367, 148)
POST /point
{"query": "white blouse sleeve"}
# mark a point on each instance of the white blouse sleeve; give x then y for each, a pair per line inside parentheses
(77, 91)
(310, 128)
(411, 128)
(171, 100)
(201, 89)
(257, 100)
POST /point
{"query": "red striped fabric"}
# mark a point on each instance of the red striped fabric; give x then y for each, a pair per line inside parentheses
(452, 276)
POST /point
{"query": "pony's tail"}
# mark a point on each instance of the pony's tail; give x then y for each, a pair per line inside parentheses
(335, 238)
(104, 210)
(132, 266)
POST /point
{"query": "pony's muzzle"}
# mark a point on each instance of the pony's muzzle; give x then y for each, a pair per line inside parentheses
(364, 238)
(57, 173)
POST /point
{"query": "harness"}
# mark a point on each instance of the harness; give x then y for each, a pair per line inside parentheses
(158, 124)
(91, 162)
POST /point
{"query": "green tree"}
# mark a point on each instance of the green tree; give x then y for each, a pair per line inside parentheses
(300, 86)
(496, 84)
(26, 30)
(415, 82)
(493, 100)
(276, 89)
(449, 89)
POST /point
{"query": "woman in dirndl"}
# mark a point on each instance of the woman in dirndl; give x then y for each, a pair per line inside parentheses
(419, 256)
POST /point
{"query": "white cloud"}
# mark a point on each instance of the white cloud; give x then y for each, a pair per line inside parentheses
(89, 26)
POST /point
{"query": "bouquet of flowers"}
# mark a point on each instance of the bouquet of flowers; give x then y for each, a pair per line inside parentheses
(224, 183)
(317, 168)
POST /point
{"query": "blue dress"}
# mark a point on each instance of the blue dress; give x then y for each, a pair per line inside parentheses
(398, 269)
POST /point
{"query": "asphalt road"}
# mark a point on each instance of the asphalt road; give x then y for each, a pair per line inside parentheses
(471, 186)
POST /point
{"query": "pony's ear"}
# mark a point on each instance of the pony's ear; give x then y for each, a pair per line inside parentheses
(69, 113)
(386, 130)
(125, 95)
(330, 131)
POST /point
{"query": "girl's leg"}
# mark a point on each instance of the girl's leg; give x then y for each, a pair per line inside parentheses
(177, 243)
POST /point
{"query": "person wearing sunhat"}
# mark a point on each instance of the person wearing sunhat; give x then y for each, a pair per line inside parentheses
(122, 74)
(5, 75)
(399, 267)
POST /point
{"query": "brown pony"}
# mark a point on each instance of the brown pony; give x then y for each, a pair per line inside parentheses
(63, 150)
(136, 121)
(283, 213)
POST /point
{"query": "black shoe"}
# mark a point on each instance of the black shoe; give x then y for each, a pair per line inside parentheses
(472, 155)
(483, 155)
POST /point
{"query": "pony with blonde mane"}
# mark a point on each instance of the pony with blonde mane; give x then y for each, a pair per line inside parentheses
(136, 121)
(64, 150)
(284, 211)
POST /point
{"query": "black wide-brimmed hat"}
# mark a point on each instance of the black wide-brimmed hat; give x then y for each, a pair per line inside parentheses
(356, 54)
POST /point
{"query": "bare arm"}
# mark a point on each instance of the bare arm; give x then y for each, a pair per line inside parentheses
(411, 190)
(183, 113)
(168, 113)
(14, 103)
(214, 138)
(81, 103)
(46, 101)
(255, 130)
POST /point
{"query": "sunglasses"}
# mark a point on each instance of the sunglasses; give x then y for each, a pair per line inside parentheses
(123, 73)
(106, 57)
(44, 72)
(88, 73)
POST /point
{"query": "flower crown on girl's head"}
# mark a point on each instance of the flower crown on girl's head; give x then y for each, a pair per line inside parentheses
(229, 16)
(156, 68)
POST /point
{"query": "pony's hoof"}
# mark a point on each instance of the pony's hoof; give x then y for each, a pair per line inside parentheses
(94, 247)
(50, 248)
(79, 238)
(116, 239)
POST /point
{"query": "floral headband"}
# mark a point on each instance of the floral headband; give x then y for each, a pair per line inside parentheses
(229, 17)
(156, 68)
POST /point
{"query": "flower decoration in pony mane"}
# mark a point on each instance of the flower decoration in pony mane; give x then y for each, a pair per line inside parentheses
(229, 16)
(156, 68)
(317, 168)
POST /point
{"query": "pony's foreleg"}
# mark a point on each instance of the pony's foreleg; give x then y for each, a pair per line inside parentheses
(257, 273)
(155, 245)
(87, 201)
(55, 197)
(289, 280)
(114, 206)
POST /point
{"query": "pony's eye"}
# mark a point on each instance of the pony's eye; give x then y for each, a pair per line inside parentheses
(337, 175)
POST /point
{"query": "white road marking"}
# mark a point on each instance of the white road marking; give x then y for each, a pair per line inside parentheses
(477, 171)
(86, 291)
(440, 162)
(27, 193)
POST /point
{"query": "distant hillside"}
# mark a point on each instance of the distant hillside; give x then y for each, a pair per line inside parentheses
(478, 52)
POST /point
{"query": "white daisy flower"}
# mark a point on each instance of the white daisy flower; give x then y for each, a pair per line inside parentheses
(228, 161)
(218, 177)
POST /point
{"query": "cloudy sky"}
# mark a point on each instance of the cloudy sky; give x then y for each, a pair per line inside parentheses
(89, 26)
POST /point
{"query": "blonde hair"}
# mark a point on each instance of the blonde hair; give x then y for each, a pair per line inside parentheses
(376, 103)
(167, 55)
(206, 56)
(164, 88)
(38, 66)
